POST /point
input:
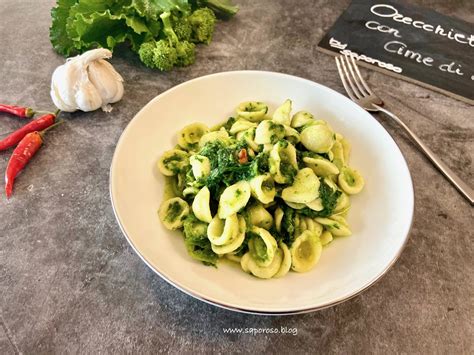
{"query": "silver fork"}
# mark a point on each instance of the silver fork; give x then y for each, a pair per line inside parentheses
(360, 93)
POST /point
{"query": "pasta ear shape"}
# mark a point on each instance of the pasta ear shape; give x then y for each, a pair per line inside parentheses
(252, 110)
(234, 243)
(305, 252)
(262, 246)
(266, 272)
(316, 204)
(189, 136)
(259, 216)
(282, 113)
(263, 188)
(220, 135)
(305, 187)
(326, 238)
(343, 203)
(292, 135)
(301, 118)
(350, 181)
(173, 161)
(321, 166)
(172, 213)
(233, 199)
(278, 217)
(201, 207)
(338, 155)
(269, 132)
(221, 232)
(286, 262)
(201, 166)
(241, 125)
(336, 228)
(318, 138)
(282, 162)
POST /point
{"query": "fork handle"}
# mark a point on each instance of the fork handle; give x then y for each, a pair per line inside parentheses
(460, 185)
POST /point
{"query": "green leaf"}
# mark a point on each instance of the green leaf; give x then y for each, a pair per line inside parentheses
(196, 241)
(151, 9)
(57, 32)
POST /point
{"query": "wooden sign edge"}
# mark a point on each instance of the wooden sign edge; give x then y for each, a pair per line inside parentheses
(398, 76)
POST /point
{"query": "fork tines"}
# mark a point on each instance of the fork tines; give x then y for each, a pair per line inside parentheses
(350, 74)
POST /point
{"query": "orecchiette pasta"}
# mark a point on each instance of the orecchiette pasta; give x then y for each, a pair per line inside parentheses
(234, 198)
(233, 243)
(301, 118)
(190, 135)
(282, 113)
(222, 231)
(269, 132)
(318, 138)
(222, 135)
(241, 125)
(252, 110)
(321, 166)
(260, 217)
(172, 162)
(172, 212)
(201, 205)
(265, 191)
(263, 188)
(201, 166)
(305, 187)
(283, 162)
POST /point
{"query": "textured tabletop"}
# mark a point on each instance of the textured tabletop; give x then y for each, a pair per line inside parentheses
(69, 281)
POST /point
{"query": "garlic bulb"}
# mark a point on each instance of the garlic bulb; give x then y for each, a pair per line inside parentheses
(86, 82)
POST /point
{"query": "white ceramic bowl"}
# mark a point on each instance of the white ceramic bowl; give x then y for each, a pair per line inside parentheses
(380, 217)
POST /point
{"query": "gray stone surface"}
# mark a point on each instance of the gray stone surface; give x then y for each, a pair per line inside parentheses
(69, 282)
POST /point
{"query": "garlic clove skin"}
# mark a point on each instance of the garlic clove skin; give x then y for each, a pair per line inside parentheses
(62, 77)
(86, 82)
(87, 96)
(102, 76)
(118, 80)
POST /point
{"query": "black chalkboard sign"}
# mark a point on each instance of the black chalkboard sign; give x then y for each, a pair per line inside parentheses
(413, 43)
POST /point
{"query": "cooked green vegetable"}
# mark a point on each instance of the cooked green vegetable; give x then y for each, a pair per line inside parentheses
(195, 239)
(329, 199)
(225, 167)
(161, 32)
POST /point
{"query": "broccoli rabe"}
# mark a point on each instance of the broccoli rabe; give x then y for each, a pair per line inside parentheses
(162, 32)
(202, 23)
(168, 52)
(196, 241)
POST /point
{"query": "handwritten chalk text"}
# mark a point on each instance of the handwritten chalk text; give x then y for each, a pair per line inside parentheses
(389, 11)
(375, 26)
(401, 49)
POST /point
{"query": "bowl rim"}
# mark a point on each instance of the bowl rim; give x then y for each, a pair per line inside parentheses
(223, 305)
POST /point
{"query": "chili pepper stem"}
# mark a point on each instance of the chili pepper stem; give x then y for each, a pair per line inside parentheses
(29, 112)
(43, 112)
(41, 133)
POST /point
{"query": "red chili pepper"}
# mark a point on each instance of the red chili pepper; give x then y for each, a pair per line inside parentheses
(38, 124)
(23, 112)
(242, 155)
(22, 154)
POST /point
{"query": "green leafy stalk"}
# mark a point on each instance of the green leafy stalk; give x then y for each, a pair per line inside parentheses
(80, 25)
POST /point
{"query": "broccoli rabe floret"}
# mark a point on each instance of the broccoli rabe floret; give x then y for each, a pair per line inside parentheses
(169, 51)
(202, 22)
(158, 55)
(182, 27)
(185, 51)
